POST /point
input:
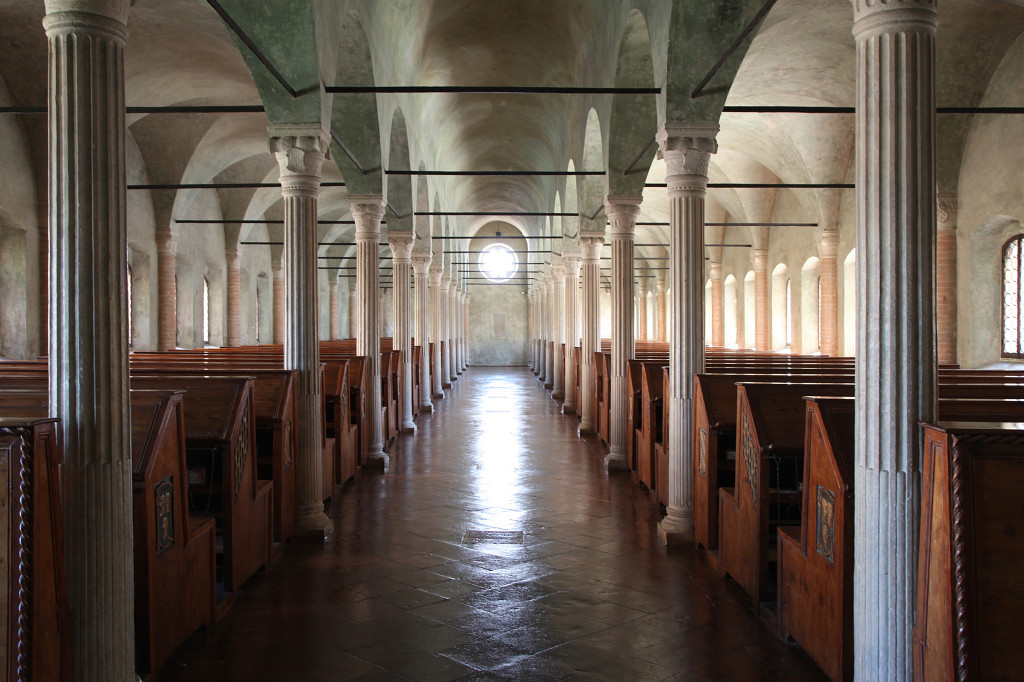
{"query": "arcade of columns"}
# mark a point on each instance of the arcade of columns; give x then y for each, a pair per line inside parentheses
(896, 216)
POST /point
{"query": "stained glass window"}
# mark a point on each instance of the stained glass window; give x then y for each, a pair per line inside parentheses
(1013, 323)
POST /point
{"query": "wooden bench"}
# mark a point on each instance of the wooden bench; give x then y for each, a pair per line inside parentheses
(647, 419)
(175, 554)
(815, 558)
(222, 483)
(769, 471)
(37, 620)
(969, 596)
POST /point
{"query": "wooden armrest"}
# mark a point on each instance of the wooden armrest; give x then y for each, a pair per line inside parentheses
(729, 492)
(264, 488)
(200, 525)
(790, 534)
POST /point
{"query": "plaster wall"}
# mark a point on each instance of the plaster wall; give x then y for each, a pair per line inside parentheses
(142, 255)
(498, 325)
(200, 253)
(991, 210)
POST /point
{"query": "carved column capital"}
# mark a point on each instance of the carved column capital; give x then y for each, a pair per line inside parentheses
(446, 279)
(622, 212)
(759, 259)
(166, 241)
(420, 262)
(687, 150)
(948, 205)
(590, 244)
(367, 212)
(558, 273)
(660, 286)
(436, 271)
(300, 151)
(827, 242)
(572, 263)
(109, 17)
(871, 17)
(715, 271)
(401, 246)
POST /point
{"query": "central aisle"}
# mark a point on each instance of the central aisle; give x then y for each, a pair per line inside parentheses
(409, 586)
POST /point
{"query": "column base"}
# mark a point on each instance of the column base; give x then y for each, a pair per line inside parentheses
(313, 523)
(615, 461)
(459, 372)
(377, 460)
(568, 407)
(558, 394)
(676, 529)
(409, 428)
(438, 395)
(548, 385)
(446, 385)
(585, 430)
(426, 407)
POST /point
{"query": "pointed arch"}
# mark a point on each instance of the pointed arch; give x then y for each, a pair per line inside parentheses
(592, 188)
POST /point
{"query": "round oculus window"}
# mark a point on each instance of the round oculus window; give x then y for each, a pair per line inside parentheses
(498, 263)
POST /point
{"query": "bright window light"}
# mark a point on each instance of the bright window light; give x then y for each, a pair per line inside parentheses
(498, 263)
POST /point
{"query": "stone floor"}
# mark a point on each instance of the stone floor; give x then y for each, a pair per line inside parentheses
(406, 590)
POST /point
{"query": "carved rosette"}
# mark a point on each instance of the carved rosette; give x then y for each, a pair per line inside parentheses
(948, 206)
(687, 150)
(300, 151)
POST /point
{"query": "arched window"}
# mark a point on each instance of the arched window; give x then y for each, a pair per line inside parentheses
(1013, 288)
(206, 311)
(789, 313)
(130, 329)
(819, 311)
(259, 311)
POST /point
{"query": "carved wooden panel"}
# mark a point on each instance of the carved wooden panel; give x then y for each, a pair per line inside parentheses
(825, 535)
(750, 458)
(242, 451)
(702, 452)
(163, 494)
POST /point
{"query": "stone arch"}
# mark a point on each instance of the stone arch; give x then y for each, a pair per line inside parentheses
(592, 188)
(634, 118)
(782, 311)
(398, 213)
(810, 306)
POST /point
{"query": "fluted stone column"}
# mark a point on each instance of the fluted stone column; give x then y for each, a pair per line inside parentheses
(167, 297)
(421, 270)
(453, 312)
(234, 296)
(437, 329)
(464, 345)
(828, 249)
(542, 326)
(572, 262)
(717, 314)
(457, 330)
(895, 382)
(367, 211)
(444, 333)
(945, 280)
(622, 212)
(661, 309)
(88, 339)
(687, 148)
(332, 308)
(300, 151)
(762, 311)
(531, 332)
(549, 334)
(353, 309)
(277, 269)
(401, 251)
(641, 309)
(558, 321)
(590, 341)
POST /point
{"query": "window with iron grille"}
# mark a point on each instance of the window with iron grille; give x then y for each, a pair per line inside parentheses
(1013, 287)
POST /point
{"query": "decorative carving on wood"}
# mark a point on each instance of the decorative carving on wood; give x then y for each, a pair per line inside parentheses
(826, 525)
(959, 584)
(287, 441)
(242, 451)
(163, 495)
(749, 456)
(22, 565)
(702, 452)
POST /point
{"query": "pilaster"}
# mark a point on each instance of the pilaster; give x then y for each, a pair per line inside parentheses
(367, 211)
(88, 333)
(300, 153)
(895, 382)
(401, 250)
(687, 148)
(762, 318)
(717, 314)
(828, 249)
(234, 296)
(622, 212)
